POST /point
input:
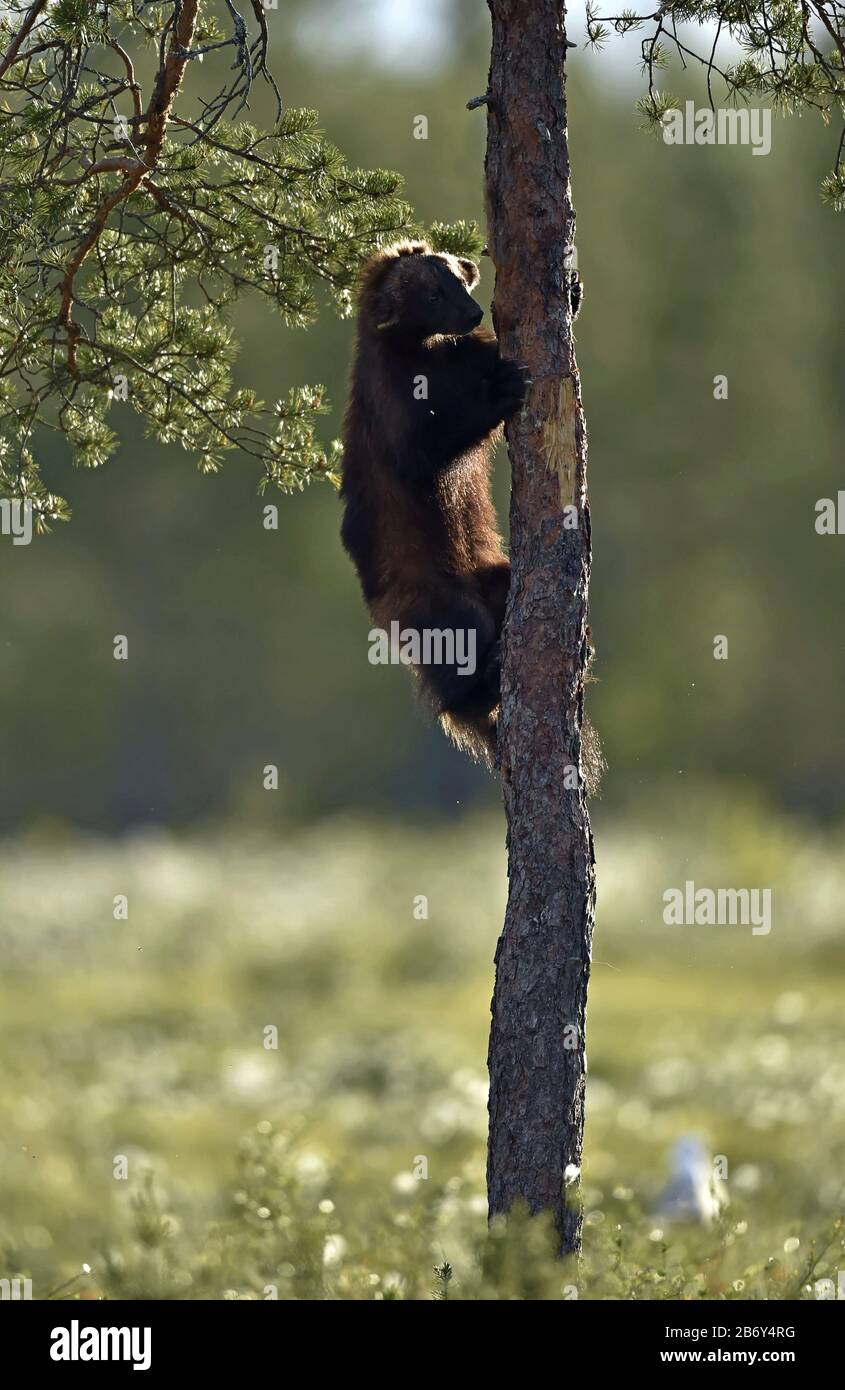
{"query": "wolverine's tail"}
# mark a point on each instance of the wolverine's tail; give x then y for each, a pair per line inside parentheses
(474, 734)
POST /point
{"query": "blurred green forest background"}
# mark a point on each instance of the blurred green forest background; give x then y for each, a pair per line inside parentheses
(249, 646)
(251, 908)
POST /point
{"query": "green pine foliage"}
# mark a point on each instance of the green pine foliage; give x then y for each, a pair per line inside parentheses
(126, 238)
(792, 58)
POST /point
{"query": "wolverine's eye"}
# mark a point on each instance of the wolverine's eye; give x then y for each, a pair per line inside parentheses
(434, 296)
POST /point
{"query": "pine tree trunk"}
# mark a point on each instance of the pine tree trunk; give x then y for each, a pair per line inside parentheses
(536, 1060)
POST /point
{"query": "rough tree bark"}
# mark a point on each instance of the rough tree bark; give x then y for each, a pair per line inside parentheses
(536, 1059)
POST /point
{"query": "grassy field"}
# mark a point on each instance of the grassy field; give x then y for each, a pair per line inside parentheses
(139, 1046)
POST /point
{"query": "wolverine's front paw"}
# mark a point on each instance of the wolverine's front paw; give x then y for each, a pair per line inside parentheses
(510, 383)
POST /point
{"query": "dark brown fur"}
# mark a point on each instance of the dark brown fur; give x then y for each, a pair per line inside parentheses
(419, 522)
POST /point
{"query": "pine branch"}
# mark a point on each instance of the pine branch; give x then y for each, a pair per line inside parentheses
(785, 61)
(112, 217)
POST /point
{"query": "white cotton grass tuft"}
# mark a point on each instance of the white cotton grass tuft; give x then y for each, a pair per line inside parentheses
(405, 1183)
(334, 1250)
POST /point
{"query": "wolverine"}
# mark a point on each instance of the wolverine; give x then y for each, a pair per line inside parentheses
(428, 393)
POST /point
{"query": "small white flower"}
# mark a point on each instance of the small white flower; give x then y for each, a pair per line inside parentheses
(334, 1250)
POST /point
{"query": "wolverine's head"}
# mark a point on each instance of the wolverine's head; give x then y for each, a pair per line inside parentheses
(412, 291)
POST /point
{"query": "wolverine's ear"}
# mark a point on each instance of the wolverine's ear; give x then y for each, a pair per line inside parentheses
(470, 273)
(385, 305)
(385, 310)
